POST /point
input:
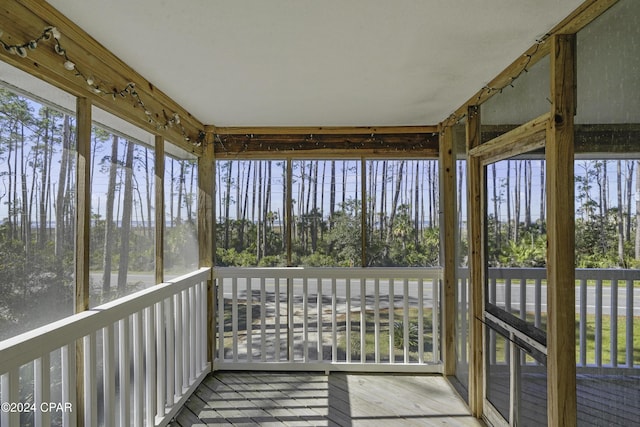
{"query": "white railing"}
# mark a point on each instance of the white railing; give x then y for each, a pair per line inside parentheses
(328, 318)
(142, 355)
(605, 298)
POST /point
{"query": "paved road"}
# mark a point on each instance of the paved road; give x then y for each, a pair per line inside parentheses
(428, 294)
(148, 279)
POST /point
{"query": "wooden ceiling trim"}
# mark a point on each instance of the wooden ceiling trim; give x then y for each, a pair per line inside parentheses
(578, 19)
(322, 130)
(24, 20)
(263, 146)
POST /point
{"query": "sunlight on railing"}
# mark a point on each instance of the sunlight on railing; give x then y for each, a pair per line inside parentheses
(326, 318)
(143, 355)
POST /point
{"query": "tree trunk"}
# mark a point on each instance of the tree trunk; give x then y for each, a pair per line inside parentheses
(149, 193)
(109, 226)
(394, 206)
(416, 205)
(332, 194)
(527, 194)
(629, 185)
(620, 215)
(44, 181)
(244, 208)
(126, 219)
(62, 180)
(496, 207)
(542, 194)
(517, 202)
(265, 207)
(508, 193)
(637, 210)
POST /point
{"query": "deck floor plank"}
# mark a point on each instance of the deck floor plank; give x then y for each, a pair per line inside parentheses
(339, 399)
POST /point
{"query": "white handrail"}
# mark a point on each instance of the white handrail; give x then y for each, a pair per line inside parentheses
(128, 320)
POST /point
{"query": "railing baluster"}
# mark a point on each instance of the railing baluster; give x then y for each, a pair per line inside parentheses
(319, 320)
(420, 285)
(197, 326)
(392, 312)
(170, 362)
(186, 340)
(598, 349)
(376, 314)
(124, 372)
(221, 311)
(613, 318)
(90, 395)
(435, 319)
(138, 408)
(290, 320)
(193, 334)
(68, 375)
(305, 320)
(204, 326)
(108, 375)
(334, 321)
(150, 369)
(234, 318)
(42, 389)
(161, 360)
(10, 385)
(348, 320)
(507, 295)
(537, 304)
(263, 321)
(179, 344)
(583, 322)
(363, 320)
(493, 297)
(464, 320)
(405, 288)
(629, 330)
(249, 316)
(276, 326)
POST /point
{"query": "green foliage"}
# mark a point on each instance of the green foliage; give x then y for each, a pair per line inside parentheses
(398, 335)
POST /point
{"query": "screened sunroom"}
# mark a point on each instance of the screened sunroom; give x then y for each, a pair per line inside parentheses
(344, 213)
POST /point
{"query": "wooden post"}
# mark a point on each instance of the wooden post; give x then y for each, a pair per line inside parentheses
(83, 221)
(448, 242)
(159, 211)
(206, 236)
(561, 347)
(475, 221)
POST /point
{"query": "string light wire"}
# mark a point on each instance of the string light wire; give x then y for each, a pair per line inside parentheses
(171, 120)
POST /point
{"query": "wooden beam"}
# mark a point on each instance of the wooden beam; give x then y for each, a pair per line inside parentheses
(529, 136)
(206, 237)
(159, 208)
(264, 146)
(578, 19)
(475, 220)
(448, 241)
(25, 20)
(320, 130)
(83, 219)
(561, 348)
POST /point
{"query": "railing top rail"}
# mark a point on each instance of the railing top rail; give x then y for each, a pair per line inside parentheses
(581, 273)
(16, 351)
(329, 272)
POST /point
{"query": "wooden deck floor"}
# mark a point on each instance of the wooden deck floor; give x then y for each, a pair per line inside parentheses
(310, 399)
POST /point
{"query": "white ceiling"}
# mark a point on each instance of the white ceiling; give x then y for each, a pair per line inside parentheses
(318, 63)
